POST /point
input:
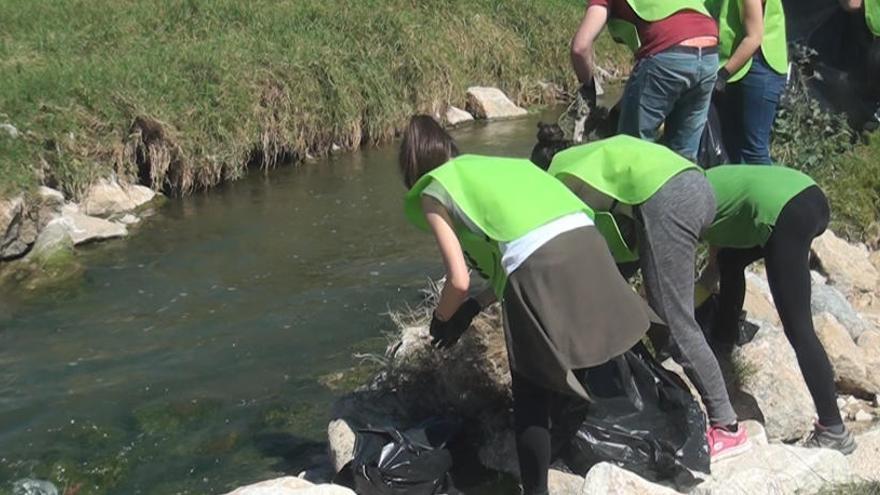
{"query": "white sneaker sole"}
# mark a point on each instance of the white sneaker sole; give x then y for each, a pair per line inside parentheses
(733, 452)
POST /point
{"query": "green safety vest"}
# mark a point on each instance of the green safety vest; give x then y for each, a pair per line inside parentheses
(505, 198)
(627, 169)
(749, 199)
(731, 32)
(650, 11)
(872, 16)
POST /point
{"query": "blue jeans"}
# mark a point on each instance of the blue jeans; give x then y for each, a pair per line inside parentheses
(672, 87)
(748, 108)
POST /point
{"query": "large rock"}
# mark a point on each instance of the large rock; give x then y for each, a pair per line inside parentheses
(11, 219)
(290, 486)
(865, 461)
(758, 302)
(53, 238)
(608, 478)
(869, 343)
(847, 266)
(850, 371)
(456, 116)
(107, 197)
(777, 469)
(491, 103)
(561, 483)
(769, 372)
(341, 438)
(828, 299)
(84, 228)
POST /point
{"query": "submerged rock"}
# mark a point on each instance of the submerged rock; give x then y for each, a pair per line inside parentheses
(456, 116)
(290, 485)
(491, 103)
(33, 487)
(769, 372)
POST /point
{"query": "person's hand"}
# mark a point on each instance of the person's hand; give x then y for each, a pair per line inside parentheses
(721, 80)
(587, 91)
(444, 334)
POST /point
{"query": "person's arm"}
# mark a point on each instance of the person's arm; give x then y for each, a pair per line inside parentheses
(582, 42)
(458, 280)
(753, 22)
(851, 5)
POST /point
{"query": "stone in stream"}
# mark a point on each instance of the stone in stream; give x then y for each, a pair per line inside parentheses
(84, 228)
(107, 197)
(491, 103)
(456, 116)
(290, 485)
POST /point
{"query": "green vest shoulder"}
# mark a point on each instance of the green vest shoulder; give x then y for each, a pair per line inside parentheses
(749, 199)
(731, 31)
(651, 11)
(872, 16)
(625, 168)
(504, 197)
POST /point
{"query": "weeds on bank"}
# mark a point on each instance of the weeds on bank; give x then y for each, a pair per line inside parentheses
(184, 94)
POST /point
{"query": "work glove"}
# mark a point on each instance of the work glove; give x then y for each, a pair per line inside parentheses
(587, 91)
(721, 80)
(444, 334)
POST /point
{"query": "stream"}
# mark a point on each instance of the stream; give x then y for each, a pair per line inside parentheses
(204, 352)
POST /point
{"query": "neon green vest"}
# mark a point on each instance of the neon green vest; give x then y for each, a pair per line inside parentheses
(625, 168)
(505, 198)
(731, 32)
(872, 16)
(651, 11)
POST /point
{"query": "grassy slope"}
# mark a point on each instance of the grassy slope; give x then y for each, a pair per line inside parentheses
(220, 83)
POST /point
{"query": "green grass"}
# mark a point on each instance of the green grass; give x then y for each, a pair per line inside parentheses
(862, 488)
(189, 92)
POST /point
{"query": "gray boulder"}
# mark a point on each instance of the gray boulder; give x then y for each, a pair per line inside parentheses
(108, 197)
(290, 485)
(850, 368)
(84, 228)
(848, 266)
(768, 371)
(456, 116)
(828, 299)
(491, 103)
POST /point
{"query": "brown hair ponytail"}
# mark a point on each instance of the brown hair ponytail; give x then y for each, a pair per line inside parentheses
(425, 146)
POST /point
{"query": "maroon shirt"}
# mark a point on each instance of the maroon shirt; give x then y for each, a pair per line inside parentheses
(660, 35)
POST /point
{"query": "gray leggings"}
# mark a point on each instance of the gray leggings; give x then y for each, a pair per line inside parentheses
(670, 224)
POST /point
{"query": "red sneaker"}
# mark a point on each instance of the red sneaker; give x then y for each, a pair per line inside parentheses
(724, 444)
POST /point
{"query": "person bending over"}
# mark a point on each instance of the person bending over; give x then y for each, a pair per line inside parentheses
(565, 306)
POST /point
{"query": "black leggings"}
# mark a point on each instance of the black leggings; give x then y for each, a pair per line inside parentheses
(787, 257)
(543, 421)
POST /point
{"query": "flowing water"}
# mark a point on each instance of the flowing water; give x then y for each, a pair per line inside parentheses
(201, 353)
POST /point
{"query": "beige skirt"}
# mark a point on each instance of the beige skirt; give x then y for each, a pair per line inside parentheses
(567, 307)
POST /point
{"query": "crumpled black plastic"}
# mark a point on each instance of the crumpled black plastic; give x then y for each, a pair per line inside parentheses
(388, 461)
(643, 418)
(712, 151)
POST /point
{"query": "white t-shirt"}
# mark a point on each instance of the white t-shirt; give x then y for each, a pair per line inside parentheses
(515, 252)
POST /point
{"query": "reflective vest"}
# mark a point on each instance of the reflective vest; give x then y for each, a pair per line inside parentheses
(505, 198)
(872, 16)
(731, 32)
(650, 11)
(625, 168)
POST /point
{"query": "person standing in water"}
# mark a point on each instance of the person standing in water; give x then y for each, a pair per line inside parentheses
(753, 71)
(565, 305)
(675, 45)
(774, 213)
(671, 203)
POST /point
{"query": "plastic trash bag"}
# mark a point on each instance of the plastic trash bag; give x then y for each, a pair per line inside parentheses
(706, 316)
(712, 151)
(643, 418)
(388, 461)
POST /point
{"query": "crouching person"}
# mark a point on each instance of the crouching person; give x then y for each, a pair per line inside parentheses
(565, 305)
(774, 213)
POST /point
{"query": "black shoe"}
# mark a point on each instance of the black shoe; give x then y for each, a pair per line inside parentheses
(822, 438)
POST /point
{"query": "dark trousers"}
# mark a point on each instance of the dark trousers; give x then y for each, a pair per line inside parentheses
(748, 109)
(787, 258)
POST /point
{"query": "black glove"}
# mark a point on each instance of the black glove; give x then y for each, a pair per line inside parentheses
(444, 334)
(588, 93)
(721, 80)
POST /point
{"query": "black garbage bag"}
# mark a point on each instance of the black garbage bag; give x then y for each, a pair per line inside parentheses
(643, 418)
(707, 317)
(712, 151)
(388, 461)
